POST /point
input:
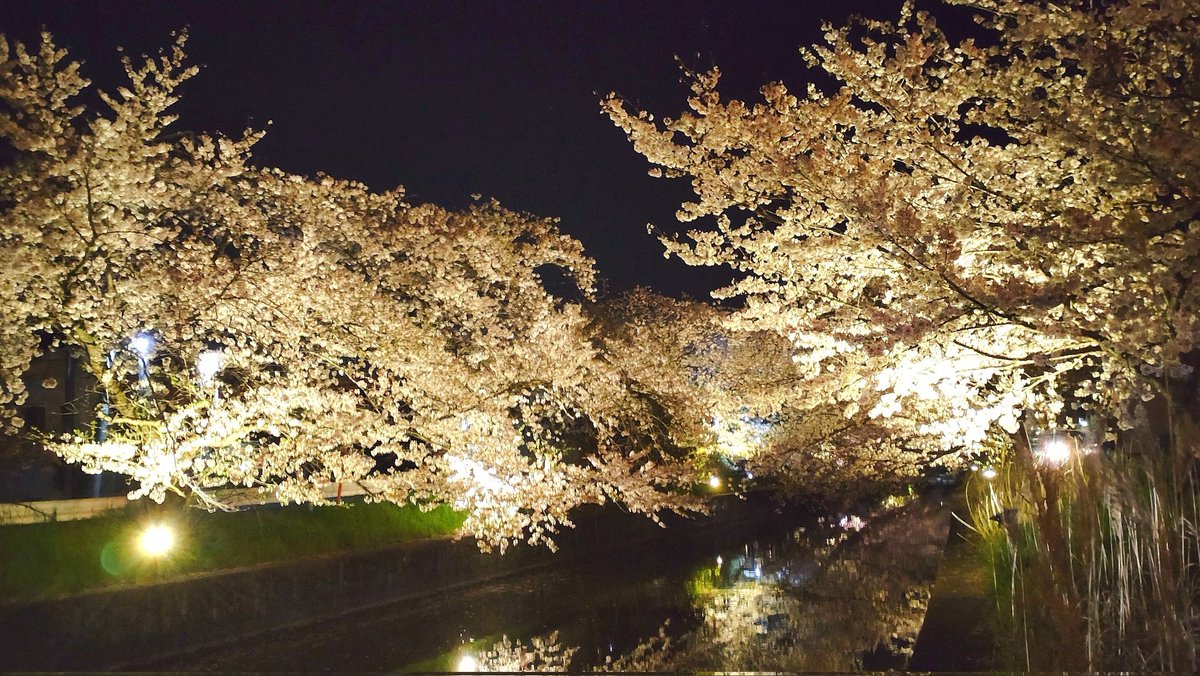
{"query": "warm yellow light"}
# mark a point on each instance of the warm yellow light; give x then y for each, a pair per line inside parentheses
(989, 473)
(1054, 451)
(714, 481)
(467, 663)
(156, 540)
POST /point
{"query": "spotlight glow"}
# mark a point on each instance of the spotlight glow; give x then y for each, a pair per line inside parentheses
(989, 473)
(467, 663)
(142, 343)
(208, 364)
(1054, 451)
(156, 541)
(714, 481)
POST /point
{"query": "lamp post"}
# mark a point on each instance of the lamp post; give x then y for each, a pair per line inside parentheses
(142, 345)
(1052, 451)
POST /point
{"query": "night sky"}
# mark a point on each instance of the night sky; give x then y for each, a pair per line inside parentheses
(454, 98)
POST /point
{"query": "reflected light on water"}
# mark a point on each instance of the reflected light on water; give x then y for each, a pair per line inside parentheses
(793, 605)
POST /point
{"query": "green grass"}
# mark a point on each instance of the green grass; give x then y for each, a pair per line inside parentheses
(50, 559)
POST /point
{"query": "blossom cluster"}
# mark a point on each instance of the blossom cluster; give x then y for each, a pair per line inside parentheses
(248, 327)
(961, 237)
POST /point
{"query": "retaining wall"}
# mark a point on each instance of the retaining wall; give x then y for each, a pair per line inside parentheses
(108, 628)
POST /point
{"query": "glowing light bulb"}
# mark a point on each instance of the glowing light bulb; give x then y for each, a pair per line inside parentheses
(1054, 451)
(156, 540)
(467, 663)
(989, 473)
(142, 343)
(714, 481)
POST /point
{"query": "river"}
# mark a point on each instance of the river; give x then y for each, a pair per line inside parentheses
(839, 592)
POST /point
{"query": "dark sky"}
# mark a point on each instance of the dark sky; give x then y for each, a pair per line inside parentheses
(454, 98)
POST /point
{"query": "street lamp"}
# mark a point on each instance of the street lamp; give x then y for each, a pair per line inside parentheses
(142, 344)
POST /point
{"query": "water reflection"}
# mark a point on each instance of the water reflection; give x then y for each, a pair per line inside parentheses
(831, 594)
(843, 596)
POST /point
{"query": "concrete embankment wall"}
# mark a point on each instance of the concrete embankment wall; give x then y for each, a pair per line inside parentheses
(106, 629)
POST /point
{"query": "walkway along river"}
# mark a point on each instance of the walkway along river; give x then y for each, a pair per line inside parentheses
(833, 593)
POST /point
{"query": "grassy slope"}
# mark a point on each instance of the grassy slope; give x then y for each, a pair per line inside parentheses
(55, 558)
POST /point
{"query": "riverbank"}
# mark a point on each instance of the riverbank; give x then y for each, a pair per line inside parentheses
(45, 560)
(957, 634)
(105, 629)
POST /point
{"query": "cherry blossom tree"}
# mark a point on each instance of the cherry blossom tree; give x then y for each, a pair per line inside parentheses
(961, 235)
(253, 328)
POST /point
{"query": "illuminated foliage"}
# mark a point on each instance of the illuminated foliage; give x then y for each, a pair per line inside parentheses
(701, 384)
(961, 235)
(252, 328)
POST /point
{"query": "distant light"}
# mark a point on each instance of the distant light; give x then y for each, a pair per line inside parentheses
(974, 467)
(156, 540)
(1054, 451)
(989, 473)
(142, 343)
(714, 481)
(208, 365)
(749, 475)
(1083, 423)
(719, 561)
(467, 663)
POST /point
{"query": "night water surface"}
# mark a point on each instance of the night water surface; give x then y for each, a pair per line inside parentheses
(842, 592)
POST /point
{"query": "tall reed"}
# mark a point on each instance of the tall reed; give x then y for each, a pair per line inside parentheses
(1095, 563)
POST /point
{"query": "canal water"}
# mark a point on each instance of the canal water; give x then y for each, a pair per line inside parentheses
(839, 592)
